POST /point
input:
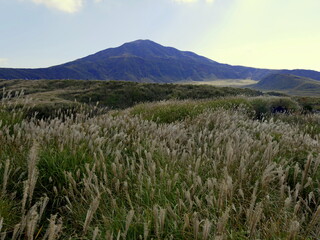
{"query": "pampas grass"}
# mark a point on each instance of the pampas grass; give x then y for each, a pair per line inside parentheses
(215, 172)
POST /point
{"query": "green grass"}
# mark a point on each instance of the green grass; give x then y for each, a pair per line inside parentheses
(171, 111)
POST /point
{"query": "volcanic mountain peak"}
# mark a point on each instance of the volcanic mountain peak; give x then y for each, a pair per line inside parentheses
(145, 61)
(146, 49)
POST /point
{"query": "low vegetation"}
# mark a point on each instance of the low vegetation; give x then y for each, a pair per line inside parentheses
(48, 94)
(225, 168)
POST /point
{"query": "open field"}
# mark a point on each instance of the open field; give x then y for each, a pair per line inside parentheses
(49, 94)
(224, 82)
(311, 90)
(223, 168)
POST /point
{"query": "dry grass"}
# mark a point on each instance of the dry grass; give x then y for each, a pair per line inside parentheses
(224, 82)
(217, 175)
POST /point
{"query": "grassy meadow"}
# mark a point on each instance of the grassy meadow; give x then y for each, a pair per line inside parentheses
(224, 82)
(210, 167)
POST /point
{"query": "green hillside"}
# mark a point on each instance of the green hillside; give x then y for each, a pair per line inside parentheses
(290, 84)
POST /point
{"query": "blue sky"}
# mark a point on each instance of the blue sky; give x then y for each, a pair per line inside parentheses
(259, 33)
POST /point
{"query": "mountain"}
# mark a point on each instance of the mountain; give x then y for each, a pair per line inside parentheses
(288, 83)
(303, 73)
(144, 61)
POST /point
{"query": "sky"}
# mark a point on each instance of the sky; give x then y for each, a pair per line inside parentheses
(276, 34)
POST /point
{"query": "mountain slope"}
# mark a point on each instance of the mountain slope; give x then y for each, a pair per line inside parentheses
(142, 61)
(303, 73)
(288, 83)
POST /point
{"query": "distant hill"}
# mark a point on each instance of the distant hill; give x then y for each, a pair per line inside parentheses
(145, 61)
(289, 83)
(303, 73)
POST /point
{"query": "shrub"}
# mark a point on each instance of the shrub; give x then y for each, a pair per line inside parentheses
(265, 106)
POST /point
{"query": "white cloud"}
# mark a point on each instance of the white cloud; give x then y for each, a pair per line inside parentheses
(193, 1)
(69, 6)
(73, 6)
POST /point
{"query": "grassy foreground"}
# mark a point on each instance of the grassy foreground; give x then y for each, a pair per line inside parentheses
(229, 168)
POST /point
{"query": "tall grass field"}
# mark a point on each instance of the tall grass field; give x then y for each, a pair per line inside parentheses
(225, 168)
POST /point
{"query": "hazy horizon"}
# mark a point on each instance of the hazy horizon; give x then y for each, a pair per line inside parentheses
(275, 34)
